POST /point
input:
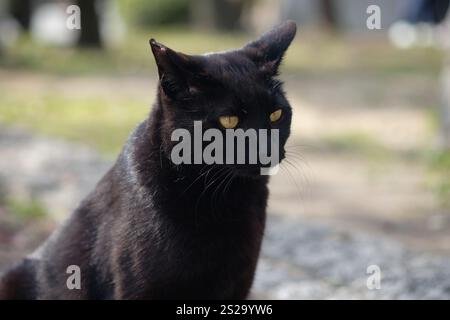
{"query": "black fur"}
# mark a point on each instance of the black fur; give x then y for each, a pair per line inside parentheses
(155, 230)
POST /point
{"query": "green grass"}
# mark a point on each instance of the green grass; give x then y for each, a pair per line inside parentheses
(437, 162)
(25, 210)
(97, 122)
(439, 169)
(358, 143)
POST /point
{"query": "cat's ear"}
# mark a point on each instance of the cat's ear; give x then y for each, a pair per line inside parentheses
(177, 71)
(269, 49)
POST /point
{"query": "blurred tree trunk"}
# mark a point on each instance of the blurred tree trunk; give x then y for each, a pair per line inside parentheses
(228, 14)
(21, 10)
(2, 16)
(444, 110)
(90, 24)
(329, 14)
(222, 15)
(436, 12)
(444, 106)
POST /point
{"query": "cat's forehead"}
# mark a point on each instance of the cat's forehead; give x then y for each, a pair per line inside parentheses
(241, 83)
(229, 61)
(231, 67)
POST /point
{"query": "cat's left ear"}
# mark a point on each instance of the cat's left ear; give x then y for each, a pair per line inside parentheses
(269, 49)
(179, 73)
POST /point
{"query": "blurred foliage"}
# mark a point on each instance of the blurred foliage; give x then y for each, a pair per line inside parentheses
(132, 57)
(25, 210)
(356, 142)
(439, 162)
(309, 55)
(98, 122)
(146, 13)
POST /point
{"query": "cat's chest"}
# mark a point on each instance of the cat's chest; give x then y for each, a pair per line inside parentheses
(197, 249)
(202, 262)
(185, 237)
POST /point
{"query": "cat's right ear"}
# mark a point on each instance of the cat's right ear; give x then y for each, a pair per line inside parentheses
(176, 71)
(268, 51)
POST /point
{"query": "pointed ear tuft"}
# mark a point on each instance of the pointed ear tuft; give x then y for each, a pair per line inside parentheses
(176, 70)
(269, 49)
(160, 54)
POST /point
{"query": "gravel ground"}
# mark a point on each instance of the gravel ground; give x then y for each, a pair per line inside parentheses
(300, 259)
(56, 173)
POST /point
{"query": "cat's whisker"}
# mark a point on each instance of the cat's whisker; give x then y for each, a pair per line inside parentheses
(206, 181)
(229, 172)
(160, 155)
(284, 167)
(224, 176)
(299, 146)
(299, 157)
(229, 182)
(299, 160)
(202, 173)
(299, 170)
(218, 174)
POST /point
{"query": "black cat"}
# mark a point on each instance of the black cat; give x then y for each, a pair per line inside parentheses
(152, 229)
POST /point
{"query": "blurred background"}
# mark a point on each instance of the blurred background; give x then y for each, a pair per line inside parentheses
(367, 182)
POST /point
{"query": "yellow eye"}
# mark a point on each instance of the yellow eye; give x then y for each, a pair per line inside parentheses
(229, 122)
(276, 115)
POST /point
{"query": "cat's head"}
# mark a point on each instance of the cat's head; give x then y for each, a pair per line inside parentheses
(227, 90)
